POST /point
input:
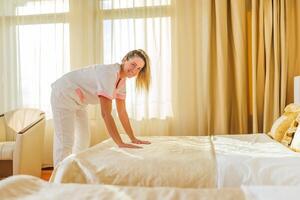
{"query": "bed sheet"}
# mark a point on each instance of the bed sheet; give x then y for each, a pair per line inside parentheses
(254, 159)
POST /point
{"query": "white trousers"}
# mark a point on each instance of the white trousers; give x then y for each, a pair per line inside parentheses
(70, 119)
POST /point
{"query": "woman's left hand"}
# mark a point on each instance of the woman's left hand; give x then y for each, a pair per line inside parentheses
(137, 141)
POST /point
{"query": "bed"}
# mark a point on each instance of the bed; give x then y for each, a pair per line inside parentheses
(29, 187)
(186, 162)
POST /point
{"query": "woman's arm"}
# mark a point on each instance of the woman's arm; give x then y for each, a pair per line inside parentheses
(121, 107)
(105, 104)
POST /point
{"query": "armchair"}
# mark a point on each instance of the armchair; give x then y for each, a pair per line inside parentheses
(21, 142)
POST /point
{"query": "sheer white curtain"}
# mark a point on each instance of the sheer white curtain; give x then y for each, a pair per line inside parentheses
(34, 51)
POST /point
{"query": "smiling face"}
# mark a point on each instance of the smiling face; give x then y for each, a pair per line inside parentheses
(132, 66)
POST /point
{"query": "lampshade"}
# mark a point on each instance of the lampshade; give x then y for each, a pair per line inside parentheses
(297, 89)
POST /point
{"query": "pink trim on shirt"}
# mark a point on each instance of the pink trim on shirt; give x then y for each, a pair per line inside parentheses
(105, 95)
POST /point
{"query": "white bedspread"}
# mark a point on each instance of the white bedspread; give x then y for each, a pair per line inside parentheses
(255, 159)
(28, 187)
(169, 161)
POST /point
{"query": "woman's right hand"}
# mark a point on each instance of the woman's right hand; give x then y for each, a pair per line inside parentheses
(125, 145)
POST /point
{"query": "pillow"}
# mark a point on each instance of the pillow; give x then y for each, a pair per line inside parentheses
(289, 134)
(292, 108)
(295, 143)
(281, 125)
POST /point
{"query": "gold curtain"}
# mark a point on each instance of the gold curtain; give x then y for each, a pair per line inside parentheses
(274, 54)
(234, 63)
(210, 67)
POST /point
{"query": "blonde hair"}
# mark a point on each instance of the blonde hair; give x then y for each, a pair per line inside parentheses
(143, 78)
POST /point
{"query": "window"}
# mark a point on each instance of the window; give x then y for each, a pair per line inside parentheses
(43, 49)
(44, 55)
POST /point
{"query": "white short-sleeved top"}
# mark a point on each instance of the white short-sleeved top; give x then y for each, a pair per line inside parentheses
(93, 81)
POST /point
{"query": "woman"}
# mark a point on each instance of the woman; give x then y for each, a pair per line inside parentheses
(97, 83)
